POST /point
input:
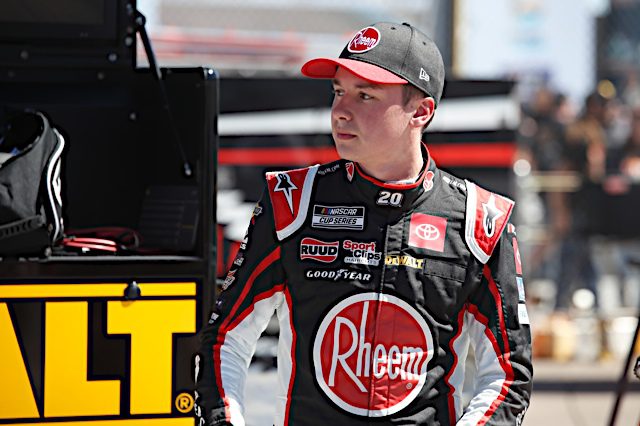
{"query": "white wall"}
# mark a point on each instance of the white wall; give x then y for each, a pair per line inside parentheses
(532, 39)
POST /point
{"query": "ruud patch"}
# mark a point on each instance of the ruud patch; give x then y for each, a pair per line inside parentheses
(320, 251)
(338, 217)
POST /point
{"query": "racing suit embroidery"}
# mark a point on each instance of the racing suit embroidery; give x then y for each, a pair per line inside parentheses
(487, 215)
(427, 231)
(318, 250)
(293, 190)
(338, 217)
(365, 323)
(349, 169)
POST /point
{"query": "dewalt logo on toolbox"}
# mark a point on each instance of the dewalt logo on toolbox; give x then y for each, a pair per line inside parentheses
(52, 367)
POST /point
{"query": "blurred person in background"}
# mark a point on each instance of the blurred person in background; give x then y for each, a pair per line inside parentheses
(584, 153)
(541, 131)
(623, 167)
(383, 269)
(564, 110)
(631, 92)
(541, 137)
(586, 140)
(625, 160)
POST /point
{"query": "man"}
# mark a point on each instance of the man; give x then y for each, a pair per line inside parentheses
(382, 268)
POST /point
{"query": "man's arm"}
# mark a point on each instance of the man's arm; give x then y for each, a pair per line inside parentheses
(498, 327)
(251, 292)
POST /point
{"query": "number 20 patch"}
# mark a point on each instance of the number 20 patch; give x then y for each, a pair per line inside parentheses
(387, 198)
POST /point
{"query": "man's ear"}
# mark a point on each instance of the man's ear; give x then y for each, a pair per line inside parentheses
(425, 109)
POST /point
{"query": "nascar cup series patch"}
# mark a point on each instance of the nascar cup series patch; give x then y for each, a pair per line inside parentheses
(338, 217)
(370, 377)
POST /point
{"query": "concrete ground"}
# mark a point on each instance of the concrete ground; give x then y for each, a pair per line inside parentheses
(567, 394)
(581, 394)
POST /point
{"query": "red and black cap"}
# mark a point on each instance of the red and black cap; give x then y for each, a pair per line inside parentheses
(388, 53)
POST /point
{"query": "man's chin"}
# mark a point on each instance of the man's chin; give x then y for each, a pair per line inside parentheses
(345, 153)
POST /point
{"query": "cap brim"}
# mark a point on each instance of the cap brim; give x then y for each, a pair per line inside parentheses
(326, 68)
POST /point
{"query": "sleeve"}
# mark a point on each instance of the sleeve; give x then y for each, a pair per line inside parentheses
(499, 331)
(251, 292)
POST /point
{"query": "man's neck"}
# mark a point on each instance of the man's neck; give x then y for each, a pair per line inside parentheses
(403, 168)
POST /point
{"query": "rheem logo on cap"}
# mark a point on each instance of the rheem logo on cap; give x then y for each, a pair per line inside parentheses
(364, 40)
(370, 377)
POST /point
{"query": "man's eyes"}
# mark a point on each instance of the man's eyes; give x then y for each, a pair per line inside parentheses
(362, 95)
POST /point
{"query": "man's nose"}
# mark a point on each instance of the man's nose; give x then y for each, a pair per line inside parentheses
(340, 110)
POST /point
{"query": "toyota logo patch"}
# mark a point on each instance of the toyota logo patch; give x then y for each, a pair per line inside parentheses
(427, 232)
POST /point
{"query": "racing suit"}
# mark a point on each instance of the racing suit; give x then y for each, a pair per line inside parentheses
(379, 291)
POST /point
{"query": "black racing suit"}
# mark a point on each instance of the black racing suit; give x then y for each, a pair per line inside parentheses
(379, 290)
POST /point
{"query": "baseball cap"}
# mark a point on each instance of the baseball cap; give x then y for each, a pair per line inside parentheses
(387, 53)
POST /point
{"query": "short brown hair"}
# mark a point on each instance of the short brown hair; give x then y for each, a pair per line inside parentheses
(409, 92)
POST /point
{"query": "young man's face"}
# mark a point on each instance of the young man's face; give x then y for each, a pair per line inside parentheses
(370, 123)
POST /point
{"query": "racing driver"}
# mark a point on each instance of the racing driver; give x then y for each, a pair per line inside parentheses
(383, 270)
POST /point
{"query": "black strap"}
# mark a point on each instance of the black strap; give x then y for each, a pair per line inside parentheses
(140, 27)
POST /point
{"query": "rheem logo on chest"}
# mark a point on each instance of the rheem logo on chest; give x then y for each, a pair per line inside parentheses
(371, 354)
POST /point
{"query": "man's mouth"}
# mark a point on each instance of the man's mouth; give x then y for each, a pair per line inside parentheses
(344, 136)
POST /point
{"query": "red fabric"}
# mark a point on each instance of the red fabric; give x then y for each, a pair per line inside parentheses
(427, 232)
(487, 236)
(327, 67)
(286, 208)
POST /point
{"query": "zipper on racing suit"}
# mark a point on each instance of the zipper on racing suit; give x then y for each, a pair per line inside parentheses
(388, 227)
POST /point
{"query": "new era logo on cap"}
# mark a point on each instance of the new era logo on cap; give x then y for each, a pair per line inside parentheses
(423, 75)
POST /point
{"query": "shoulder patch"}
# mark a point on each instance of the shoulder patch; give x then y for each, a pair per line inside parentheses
(290, 193)
(350, 169)
(487, 214)
(455, 182)
(330, 168)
